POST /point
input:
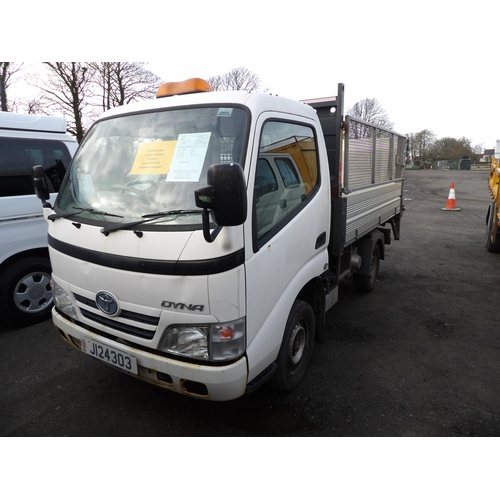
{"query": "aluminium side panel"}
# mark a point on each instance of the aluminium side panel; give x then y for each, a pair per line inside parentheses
(373, 183)
(369, 208)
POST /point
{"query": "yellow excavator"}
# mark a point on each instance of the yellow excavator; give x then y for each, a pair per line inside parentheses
(493, 216)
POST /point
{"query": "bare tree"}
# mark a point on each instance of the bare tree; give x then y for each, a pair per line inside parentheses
(370, 110)
(123, 82)
(33, 106)
(420, 145)
(68, 89)
(7, 70)
(237, 79)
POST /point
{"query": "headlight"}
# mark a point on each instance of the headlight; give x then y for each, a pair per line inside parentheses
(63, 302)
(189, 341)
(217, 342)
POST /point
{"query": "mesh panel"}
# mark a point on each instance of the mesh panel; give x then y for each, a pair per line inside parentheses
(373, 155)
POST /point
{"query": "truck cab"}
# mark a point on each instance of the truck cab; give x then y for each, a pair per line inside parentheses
(191, 240)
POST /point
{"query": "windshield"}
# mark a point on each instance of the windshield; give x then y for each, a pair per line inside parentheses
(132, 166)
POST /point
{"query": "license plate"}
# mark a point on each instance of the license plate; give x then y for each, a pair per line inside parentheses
(114, 357)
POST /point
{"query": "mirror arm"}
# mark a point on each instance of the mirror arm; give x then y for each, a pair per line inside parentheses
(209, 237)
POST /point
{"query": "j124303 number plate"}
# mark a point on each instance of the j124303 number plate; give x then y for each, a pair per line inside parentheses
(114, 357)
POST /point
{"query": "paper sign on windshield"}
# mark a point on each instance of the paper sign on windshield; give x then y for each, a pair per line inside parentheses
(153, 158)
(189, 156)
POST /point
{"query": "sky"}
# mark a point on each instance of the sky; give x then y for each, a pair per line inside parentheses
(431, 65)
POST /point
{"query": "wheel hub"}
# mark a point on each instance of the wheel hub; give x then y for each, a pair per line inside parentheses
(33, 293)
(297, 344)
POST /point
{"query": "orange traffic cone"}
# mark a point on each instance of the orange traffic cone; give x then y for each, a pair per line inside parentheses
(451, 204)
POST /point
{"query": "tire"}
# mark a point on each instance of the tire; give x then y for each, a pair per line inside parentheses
(366, 282)
(296, 349)
(491, 224)
(25, 292)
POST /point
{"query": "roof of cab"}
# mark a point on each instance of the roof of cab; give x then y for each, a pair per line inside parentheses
(257, 102)
(39, 123)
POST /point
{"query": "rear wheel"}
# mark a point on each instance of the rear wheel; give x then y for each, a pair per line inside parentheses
(491, 226)
(297, 347)
(25, 292)
(366, 282)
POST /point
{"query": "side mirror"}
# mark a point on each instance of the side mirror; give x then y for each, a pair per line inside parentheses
(39, 180)
(225, 197)
(56, 174)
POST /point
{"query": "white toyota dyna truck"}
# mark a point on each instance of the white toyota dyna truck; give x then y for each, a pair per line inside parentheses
(198, 239)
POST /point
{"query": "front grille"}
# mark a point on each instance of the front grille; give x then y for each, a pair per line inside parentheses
(115, 322)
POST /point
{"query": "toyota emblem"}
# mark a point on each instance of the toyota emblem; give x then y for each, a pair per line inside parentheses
(107, 303)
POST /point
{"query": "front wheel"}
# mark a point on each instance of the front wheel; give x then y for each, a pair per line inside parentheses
(26, 293)
(296, 349)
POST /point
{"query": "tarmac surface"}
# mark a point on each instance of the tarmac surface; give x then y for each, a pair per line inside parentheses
(419, 356)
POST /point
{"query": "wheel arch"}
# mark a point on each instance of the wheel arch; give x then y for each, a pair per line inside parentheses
(32, 252)
(313, 293)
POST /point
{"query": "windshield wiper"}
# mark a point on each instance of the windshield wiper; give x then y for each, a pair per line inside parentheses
(147, 218)
(81, 210)
(172, 212)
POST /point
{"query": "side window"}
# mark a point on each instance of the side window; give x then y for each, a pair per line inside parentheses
(286, 175)
(265, 180)
(266, 194)
(18, 156)
(289, 174)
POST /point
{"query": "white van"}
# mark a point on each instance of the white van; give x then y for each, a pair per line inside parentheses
(25, 141)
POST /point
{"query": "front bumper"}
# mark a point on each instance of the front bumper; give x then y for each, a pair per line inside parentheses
(216, 383)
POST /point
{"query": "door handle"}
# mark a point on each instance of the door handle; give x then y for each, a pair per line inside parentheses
(320, 240)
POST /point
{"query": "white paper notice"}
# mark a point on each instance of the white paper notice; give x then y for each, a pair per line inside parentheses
(188, 158)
